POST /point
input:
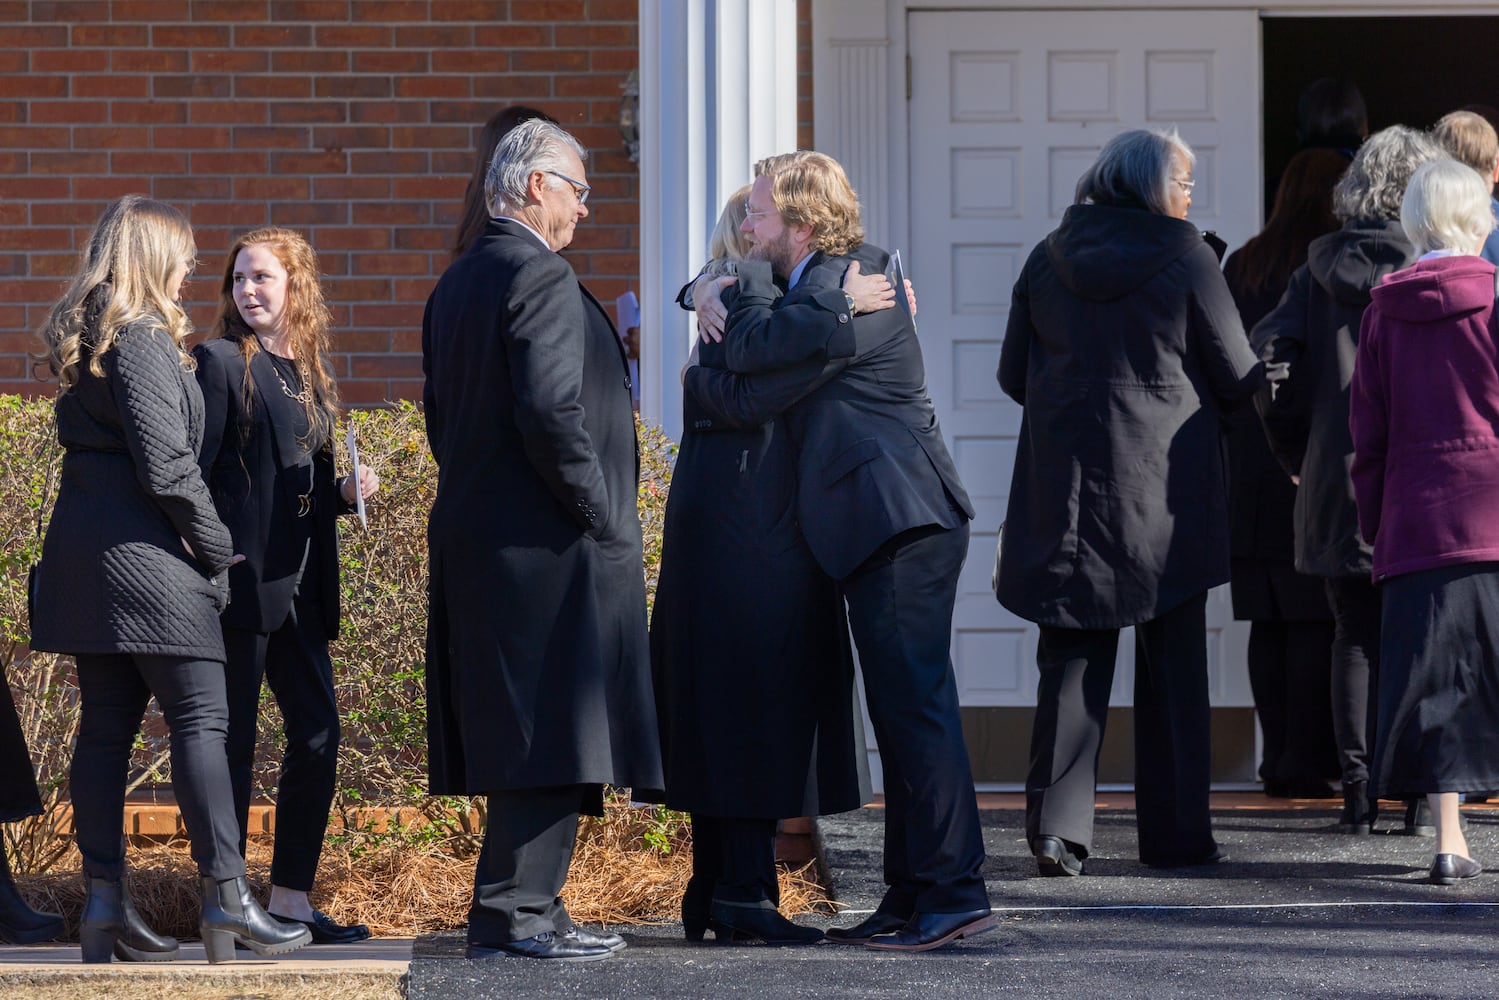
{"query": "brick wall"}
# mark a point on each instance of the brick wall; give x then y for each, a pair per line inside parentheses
(352, 120)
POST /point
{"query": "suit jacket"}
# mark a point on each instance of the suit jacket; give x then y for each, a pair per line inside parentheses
(538, 669)
(256, 469)
(871, 459)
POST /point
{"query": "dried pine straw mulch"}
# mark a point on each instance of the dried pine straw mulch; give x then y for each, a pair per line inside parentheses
(399, 889)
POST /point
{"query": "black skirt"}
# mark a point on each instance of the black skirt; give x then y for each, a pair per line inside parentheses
(1438, 725)
(18, 794)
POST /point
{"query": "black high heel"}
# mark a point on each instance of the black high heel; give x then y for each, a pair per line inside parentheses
(111, 927)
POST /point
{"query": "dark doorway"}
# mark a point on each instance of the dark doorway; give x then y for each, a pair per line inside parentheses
(1411, 70)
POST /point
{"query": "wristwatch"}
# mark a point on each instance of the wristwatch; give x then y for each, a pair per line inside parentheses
(853, 310)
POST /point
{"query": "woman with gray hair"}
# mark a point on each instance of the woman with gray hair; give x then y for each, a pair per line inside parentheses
(1308, 344)
(1424, 394)
(1124, 347)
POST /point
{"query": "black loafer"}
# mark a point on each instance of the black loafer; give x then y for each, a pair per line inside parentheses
(878, 922)
(927, 931)
(1450, 869)
(756, 923)
(611, 941)
(547, 945)
(326, 931)
(1055, 856)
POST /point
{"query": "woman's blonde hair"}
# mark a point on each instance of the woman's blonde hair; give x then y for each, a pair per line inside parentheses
(811, 189)
(132, 254)
(307, 322)
(727, 246)
(1447, 206)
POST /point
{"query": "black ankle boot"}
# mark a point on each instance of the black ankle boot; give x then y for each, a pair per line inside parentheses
(231, 914)
(19, 923)
(1358, 812)
(756, 923)
(112, 926)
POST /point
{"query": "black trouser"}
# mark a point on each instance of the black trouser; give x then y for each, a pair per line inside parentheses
(114, 690)
(528, 845)
(1355, 672)
(900, 606)
(1172, 746)
(294, 661)
(1289, 673)
(733, 859)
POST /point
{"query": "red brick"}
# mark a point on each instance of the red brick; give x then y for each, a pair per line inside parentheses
(470, 10)
(357, 289)
(514, 88)
(13, 215)
(587, 85)
(429, 137)
(272, 36)
(109, 188)
(392, 213)
(231, 10)
(404, 340)
(352, 392)
(353, 86)
(70, 163)
(151, 11)
(240, 161)
(386, 366)
(448, 36)
(36, 37)
(14, 61)
(272, 137)
(68, 112)
(549, 60)
(351, 137)
(548, 10)
(111, 137)
(182, 188)
(353, 238)
(354, 36)
(309, 10)
(276, 87)
(66, 62)
(111, 87)
(433, 86)
(619, 61)
(16, 238)
(394, 10)
(589, 35)
(147, 112)
(12, 162)
(307, 213)
(470, 61)
(190, 137)
(190, 36)
(321, 112)
(271, 188)
(132, 35)
(331, 263)
(14, 11)
(365, 341)
(197, 85)
(65, 213)
(453, 161)
(350, 188)
(229, 213)
(413, 289)
(404, 389)
(312, 61)
(228, 113)
(391, 61)
(513, 36)
(32, 85)
(69, 10)
(613, 10)
(309, 163)
(150, 61)
(230, 60)
(388, 111)
(421, 238)
(150, 162)
(427, 188)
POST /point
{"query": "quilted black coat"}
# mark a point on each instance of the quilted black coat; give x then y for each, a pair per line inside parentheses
(117, 575)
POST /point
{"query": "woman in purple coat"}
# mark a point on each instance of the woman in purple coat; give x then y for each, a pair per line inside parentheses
(1424, 412)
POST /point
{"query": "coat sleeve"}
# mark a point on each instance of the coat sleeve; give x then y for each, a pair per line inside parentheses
(763, 334)
(1233, 371)
(1020, 331)
(742, 401)
(544, 327)
(214, 381)
(146, 384)
(1369, 423)
(1285, 400)
(431, 418)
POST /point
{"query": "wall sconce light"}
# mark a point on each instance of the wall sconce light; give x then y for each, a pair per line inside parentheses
(629, 115)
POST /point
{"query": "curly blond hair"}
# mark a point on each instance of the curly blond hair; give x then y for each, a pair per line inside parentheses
(811, 189)
(123, 276)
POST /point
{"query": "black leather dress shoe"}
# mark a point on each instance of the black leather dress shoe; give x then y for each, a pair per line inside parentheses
(1055, 856)
(756, 923)
(547, 945)
(1450, 869)
(927, 931)
(611, 941)
(878, 922)
(326, 931)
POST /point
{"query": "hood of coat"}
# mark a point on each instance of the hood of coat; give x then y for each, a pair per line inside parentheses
(1102, 252)
(1435, 290)
(1351, 261)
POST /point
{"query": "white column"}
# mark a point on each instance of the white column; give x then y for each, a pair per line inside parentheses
(717, 92)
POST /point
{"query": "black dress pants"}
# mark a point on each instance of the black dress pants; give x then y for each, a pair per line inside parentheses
(1172, 746)
(114, 689)
(528, 845)
(733, 859)
(1355, 672)
(1289, 672)
(900, 605)
(294, 661)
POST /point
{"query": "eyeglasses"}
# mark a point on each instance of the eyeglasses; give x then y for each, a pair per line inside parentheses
(580, 190)
(759, 215)
(1187, 186)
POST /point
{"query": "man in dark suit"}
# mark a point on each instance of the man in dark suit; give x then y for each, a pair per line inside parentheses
(538, 670)
(883, 512)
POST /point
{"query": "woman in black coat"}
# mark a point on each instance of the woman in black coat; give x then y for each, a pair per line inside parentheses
(1309, 342)
(267, 456)
(131, 579)
(751, 656)
(1290, 632)
(1123, 345)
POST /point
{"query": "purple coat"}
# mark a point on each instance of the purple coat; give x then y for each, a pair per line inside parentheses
(1425, 418)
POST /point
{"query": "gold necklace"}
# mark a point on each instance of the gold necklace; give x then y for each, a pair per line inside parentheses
(305, 396)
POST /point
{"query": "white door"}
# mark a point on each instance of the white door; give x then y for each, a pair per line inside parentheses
(1006, 109)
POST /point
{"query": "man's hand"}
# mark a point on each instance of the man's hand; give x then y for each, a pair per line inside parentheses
(707, 302)
(871, 292)
(911, 296)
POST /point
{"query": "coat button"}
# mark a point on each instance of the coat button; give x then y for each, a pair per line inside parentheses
(843, 317)
(627, 381)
